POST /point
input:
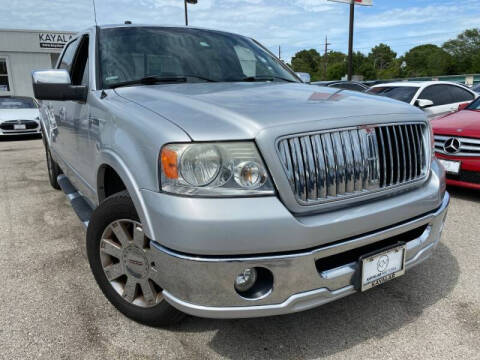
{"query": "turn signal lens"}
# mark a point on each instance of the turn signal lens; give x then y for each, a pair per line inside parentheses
(169, 163)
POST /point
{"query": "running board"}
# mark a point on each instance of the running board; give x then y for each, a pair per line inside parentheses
(80, 206)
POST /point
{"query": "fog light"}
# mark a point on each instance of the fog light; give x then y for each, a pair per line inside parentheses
(245, 280)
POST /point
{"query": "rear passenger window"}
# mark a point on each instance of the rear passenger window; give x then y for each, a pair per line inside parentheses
(68, 56)
(438, 94)
(460, 95)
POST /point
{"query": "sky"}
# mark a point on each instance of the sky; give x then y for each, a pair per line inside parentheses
(291, 24)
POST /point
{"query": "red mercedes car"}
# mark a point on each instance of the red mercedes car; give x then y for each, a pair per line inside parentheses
(457, 145)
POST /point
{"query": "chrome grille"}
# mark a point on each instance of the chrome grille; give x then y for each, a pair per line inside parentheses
(467, 146)
(335, 164)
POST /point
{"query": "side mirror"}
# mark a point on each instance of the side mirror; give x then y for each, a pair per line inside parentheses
(56, 85)
(463, 106)
(305, 77)
(423, 103)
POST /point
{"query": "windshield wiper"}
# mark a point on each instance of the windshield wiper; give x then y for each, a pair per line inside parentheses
(265, 78)
(201, 78)
(150, 80)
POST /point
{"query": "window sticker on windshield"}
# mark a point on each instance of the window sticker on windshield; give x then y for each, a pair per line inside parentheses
(203, 43)
(111, 78)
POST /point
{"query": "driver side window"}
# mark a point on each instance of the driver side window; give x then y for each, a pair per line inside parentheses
(68, 55)
(79, 71)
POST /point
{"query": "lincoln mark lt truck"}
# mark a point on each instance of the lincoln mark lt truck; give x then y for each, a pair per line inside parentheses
(213, 182)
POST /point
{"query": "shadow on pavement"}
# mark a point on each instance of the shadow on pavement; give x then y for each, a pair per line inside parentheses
(7, 138)
(339, 325)
(464, 193)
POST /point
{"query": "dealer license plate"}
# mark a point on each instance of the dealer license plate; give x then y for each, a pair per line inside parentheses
(452, 167)
(19, 127)
(383, 266)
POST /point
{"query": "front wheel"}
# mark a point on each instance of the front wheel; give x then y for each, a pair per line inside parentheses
(52, 167)
(120, 258)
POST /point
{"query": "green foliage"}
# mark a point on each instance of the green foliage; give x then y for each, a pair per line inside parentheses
(382, 56)
(336, 70)
(464, 50)
(427, 60)
(306, 61)
(457, 56)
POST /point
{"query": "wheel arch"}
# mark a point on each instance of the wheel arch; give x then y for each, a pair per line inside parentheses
(114, 170)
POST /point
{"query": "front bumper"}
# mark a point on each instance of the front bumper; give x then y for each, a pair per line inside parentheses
(36, 131)
(263, 225)
(204, 285)
(469, 176)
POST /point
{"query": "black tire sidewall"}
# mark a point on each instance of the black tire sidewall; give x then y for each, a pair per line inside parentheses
(116, 207)
(52, 167)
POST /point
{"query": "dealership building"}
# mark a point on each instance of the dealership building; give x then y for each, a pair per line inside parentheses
(22, 51)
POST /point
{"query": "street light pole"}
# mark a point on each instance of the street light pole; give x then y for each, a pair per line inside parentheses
(350, 41)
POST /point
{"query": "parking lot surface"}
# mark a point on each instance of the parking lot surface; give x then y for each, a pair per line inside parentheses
(52, 308)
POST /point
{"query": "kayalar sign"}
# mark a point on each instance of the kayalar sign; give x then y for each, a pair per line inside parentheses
(53, 40)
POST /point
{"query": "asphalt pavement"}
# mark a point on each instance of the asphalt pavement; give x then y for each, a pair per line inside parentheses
(51, 307)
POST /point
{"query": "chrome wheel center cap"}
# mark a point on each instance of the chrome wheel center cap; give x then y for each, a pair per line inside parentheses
(136, 263)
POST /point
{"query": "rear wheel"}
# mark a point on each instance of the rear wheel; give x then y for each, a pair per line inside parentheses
(120, 258)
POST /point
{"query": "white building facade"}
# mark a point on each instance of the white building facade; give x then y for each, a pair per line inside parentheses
(22, 51)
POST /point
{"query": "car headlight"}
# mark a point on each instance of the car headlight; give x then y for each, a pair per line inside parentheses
(214, 169)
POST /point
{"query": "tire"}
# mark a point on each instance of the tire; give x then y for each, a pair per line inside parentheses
(111, 254)
(52, 167)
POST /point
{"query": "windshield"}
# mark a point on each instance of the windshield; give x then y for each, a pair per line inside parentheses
(128, 54)
(402, 93)
(475, 105)
(17, 103)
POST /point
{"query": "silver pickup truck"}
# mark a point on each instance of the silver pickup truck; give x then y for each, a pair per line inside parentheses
(213, 182)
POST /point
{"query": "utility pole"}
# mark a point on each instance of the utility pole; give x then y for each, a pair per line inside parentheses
(325, 58)
(186, 13)
(279, 52)
(350, 40)
(193, 2)
(352, 4)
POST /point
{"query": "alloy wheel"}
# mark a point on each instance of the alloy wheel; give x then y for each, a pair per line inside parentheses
(127, 264)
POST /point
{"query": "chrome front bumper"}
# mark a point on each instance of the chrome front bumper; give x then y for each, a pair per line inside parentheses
(204, 286)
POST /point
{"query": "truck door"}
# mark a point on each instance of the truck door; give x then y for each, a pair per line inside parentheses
(79, 116)
(60, 125)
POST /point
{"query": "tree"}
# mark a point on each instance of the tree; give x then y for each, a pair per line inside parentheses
(382, 56)
(306, 61)
(464, 50)
(336, 71)
(428, 60)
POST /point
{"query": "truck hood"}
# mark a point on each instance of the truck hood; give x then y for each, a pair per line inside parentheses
(227, 111)
(18, 114)
(463, 123)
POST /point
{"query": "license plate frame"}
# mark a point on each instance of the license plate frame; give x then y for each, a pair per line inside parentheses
(392, 253)
(451, 166)
(19, 127)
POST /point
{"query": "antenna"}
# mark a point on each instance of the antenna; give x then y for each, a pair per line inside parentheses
(94, 12)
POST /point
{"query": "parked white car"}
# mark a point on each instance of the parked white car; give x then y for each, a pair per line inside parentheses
(18, 116)
(436, 98)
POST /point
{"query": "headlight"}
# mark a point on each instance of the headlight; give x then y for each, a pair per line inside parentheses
(214, 169)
